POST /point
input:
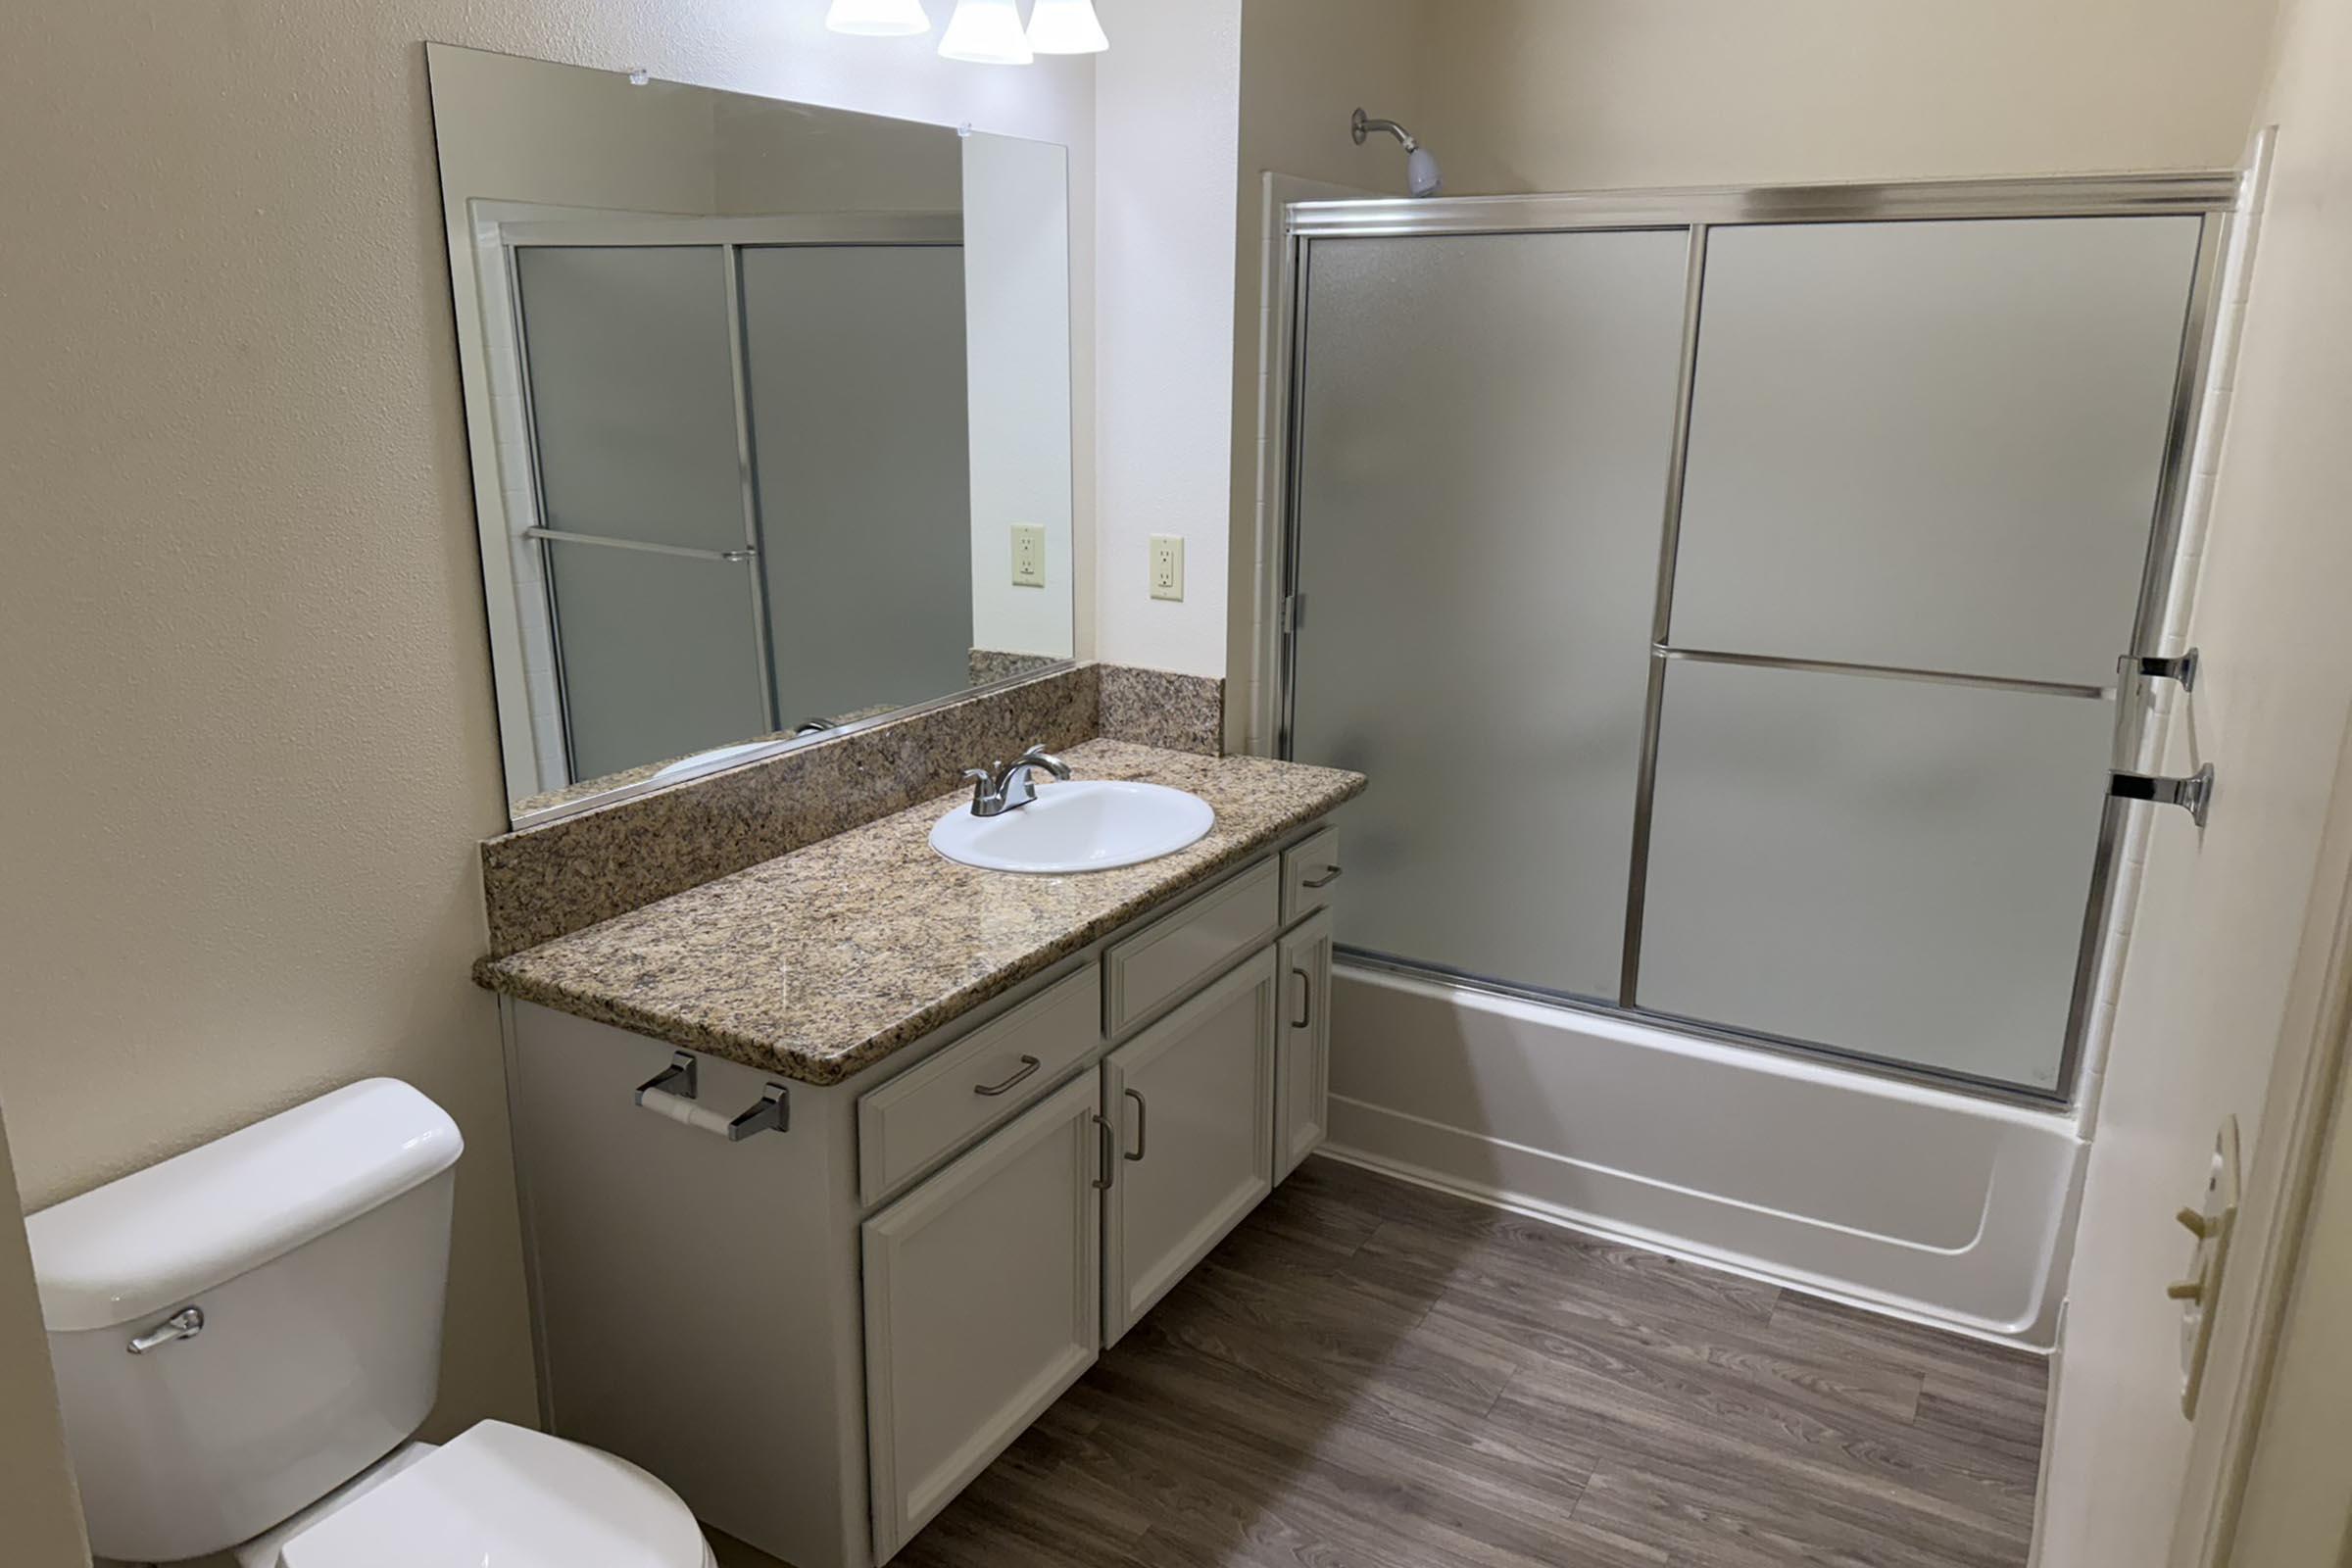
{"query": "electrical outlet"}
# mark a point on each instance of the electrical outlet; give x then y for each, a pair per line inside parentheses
(1028, 556)
(1167, 566)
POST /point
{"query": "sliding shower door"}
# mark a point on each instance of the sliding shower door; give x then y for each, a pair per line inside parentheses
(1486, 423)
(1924, 459)
(1742, 654)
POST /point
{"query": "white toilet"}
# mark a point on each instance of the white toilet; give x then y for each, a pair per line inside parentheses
(279, 1293)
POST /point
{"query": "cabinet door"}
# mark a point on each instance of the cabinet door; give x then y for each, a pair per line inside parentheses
(982, 1302)
(1303, 1080)
(1192, 1099)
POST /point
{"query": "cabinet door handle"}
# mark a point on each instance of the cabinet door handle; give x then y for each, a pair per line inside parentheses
(1110, 1166)
(1325, 880)
(1029, 1064)
(1306, 998)
(1142, 1125)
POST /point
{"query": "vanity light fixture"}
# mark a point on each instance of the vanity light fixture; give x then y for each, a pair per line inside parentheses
(985, 32)
(878, 19)
(1067, 27)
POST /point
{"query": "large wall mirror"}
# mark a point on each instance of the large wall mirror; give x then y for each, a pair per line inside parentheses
(770, 410)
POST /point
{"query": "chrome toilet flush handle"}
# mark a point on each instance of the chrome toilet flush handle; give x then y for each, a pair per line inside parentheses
(184, 1324)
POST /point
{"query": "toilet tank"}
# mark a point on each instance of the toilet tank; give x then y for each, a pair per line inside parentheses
(316, 1244)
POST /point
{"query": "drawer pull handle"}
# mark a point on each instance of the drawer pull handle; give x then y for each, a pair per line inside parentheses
(1029, 1064)
(1325, 880)
(1110, 1166)
(1306, 998)
(1142, 1125)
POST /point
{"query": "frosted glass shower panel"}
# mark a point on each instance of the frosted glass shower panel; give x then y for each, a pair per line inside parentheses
(856, 360)
(633, 392)
(660, 655)
(1894, 868)
(1486, 427)
(1930, 445)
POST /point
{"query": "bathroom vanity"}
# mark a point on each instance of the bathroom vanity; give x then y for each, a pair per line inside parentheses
(982, 1122)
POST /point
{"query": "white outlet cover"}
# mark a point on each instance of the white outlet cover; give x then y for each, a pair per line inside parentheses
(1167, 566)
(1028, 555)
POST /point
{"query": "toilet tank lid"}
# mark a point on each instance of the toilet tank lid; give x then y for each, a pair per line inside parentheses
(143, 1246)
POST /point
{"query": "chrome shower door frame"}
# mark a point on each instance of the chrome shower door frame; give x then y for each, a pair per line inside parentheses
(2213, 197)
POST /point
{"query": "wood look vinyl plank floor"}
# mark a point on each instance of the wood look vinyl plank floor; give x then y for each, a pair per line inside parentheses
(1369, 1373)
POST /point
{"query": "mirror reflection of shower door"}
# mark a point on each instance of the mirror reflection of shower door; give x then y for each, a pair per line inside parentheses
(855, 361)
(1486, 426)
(629, 358)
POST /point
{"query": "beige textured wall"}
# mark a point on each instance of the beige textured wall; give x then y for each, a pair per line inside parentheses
(1164, 121)
(1576, 94)
(37, 1502)
(246, 741)
(1306, 64)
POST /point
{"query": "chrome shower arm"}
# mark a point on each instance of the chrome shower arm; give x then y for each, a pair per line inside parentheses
(1363, 125)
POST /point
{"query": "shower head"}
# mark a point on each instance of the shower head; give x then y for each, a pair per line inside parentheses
(1420, 164)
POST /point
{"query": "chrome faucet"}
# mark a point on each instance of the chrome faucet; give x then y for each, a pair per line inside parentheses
(998, 789)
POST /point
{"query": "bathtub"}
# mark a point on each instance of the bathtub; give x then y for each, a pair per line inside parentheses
(1931, 1205)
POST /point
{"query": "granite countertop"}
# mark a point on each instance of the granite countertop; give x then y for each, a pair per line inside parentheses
(824, 962)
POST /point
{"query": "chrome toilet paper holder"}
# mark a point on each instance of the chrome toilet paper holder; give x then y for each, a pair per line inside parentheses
(677, 1087)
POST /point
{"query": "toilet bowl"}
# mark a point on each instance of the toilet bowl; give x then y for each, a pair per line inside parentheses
(280, 1293)
(499, 1495)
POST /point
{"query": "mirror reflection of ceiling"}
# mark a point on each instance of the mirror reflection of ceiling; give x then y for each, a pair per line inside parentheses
(770, 410)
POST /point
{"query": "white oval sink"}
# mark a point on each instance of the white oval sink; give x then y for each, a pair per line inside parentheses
(1088, 825)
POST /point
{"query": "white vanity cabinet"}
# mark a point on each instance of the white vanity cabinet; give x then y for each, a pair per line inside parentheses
(1302, 1068)
(1193, 1100)
(983, 1301)
(819, 1336)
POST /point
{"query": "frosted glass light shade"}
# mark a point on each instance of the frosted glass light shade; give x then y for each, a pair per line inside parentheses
(985, 32)
(1065, 28)
(878, 19)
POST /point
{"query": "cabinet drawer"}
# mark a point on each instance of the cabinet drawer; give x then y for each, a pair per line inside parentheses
(1308, 869)
(1173, 958)
(997, 1070)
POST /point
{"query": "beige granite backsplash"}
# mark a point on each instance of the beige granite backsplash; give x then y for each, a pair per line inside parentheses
(555, 878)
(552, 879)
(1159, 707)
(987, 666)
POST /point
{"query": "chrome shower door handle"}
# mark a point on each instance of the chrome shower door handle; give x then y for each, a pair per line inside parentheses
(2194, 794)
(2135, 699)
(184, 1324)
